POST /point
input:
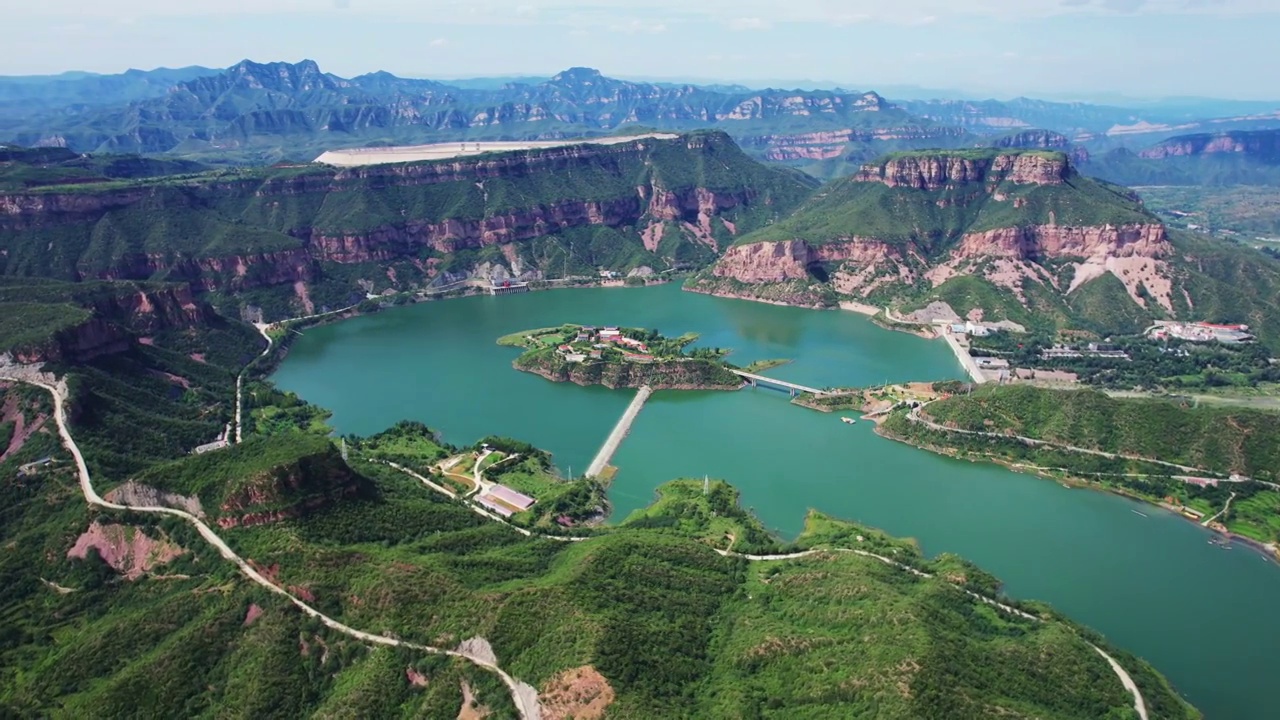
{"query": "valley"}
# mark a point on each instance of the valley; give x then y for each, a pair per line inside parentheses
(321, 489)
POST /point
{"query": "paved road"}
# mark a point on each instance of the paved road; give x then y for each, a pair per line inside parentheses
(970, 365)
(620, 431)
(262, 328)
(524, 696)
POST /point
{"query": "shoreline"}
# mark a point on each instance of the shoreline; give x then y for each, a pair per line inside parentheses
(280, 350)
(1271, 552)
(654, 386)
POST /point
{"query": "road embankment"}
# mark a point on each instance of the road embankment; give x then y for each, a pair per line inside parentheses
(962, 354)
(620, 431)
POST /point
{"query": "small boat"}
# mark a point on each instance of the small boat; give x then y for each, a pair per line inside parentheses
(848, 420)
(1135, 512)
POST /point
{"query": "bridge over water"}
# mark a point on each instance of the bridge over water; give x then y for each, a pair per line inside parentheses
(793, 388)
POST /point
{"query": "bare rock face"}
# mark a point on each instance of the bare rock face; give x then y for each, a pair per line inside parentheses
(1134, 254)
(1055, 242)
(136, 494)
(766, 262)
(1262, 143)
(933, 172)
(830, 144)
(127, 549)
(697, 210)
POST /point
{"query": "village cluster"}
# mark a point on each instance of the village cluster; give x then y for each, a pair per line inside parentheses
(592, 343)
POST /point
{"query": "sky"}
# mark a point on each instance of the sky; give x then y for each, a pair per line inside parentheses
(991, 48)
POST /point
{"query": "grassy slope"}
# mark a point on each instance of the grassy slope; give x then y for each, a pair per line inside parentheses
(932, 220)
(1242, 208)
(1223, 440)
(234, 213)
(677, 629)
(1229, 283)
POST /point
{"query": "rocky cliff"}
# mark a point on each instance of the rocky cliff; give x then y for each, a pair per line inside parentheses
(1261, 145)
(659, 202)
(831, 144)
(934, 171)
(684, 374)
(1024, 223)
(289, 490)
(116, 316)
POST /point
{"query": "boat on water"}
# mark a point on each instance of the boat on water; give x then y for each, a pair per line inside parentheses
(1135, 512)
(848, 420)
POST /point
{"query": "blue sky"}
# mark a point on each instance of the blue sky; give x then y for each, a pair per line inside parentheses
(999, 48)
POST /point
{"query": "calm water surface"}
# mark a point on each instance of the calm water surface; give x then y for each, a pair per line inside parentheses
(1204, 616)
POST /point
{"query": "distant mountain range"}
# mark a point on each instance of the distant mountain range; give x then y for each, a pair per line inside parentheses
(268, 112)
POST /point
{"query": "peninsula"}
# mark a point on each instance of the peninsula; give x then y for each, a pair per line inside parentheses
(619, 357)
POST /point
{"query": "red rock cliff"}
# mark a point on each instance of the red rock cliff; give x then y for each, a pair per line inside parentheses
(1058, 242)
(932, 172)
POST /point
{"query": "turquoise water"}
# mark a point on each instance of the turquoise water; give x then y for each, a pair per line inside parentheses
(1152, 584)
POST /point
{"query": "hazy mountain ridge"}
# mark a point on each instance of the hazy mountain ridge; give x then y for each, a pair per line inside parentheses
(262, 112)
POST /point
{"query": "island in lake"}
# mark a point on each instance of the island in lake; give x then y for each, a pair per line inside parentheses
(619, 357)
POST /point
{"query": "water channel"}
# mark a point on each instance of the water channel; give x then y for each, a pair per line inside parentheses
(1151, 582)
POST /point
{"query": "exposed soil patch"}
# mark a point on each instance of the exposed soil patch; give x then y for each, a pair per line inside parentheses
(581, 693)
(470, 710)
(300, 289)
(478, 647)
(11, 412)
(415, 678)
(126, 548)
(255, 612)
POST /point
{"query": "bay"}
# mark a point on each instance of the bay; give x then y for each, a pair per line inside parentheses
(1151, 582)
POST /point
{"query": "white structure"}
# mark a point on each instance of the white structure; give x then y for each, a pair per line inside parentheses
(355, 157)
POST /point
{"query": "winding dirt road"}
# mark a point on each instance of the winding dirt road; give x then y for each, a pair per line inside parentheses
(524, 696)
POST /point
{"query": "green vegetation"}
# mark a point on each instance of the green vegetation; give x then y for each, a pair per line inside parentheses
(933, 220)
(621, 357)
(1219, 441)
(1173, 366)
(1229, 283)
(22, 168)
(1244, 210)
(760, 366)
(675, 629)
(1188, 164)
(29, 325)
(202, 226)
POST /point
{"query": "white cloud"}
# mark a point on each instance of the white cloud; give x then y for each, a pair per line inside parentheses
(634, 26)
(439, 43)
(608, 13)
(749, 23)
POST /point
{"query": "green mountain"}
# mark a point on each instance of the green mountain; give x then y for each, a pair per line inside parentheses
(1214, 159)
(110, 612)
(22, 168)
(289, 241)
(268, 111)
(998, 235)
(1220, 441)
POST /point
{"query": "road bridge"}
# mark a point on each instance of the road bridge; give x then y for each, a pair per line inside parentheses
(793, 388)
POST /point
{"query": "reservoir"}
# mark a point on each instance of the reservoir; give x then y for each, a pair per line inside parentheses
(1202, 615)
